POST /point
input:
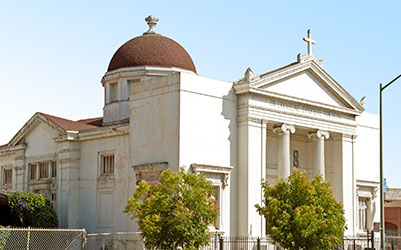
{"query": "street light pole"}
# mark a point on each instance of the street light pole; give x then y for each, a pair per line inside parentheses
(382, 238)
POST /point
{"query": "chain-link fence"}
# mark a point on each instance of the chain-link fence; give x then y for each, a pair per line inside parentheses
(42, 239)
(393, 242)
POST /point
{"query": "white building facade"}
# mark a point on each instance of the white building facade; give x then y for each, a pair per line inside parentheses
(159, 113)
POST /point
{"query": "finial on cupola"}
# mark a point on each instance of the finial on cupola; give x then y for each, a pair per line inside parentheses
(152, 22)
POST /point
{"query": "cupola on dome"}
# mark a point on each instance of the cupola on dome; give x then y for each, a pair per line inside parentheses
(151, 49)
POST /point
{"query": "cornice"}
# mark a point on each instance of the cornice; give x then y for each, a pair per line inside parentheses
(140, 71)
(104, 132)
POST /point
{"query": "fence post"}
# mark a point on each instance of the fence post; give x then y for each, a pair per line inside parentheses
(373, 239)
(27, 239)
(258, 244)
(392, 244)
(221, 243)
(84, 235)
(354, 245)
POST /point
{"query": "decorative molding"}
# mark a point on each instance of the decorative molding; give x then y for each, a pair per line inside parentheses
(367, 189)
(44, 186)
(306, 58)
(284, 129)
(149, 172)
(105, 182)
(18, 168)
(320, 134)
(249, 77)
(37, 158)
(140, 71)
(103, 132)
(17, 147)
(220, 173)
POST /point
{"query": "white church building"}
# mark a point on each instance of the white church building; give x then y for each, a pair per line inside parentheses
(159, 113)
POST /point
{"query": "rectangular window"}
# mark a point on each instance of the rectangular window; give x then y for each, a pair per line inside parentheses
(54, 201)
(113, 92)
(33, 168)
(54, 169)
(362, 213)
(216, 198)
(44, 170)
(8, 176)
(107, 167)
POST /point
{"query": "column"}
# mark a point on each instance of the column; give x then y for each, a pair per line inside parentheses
(283, 163)
(318, 138)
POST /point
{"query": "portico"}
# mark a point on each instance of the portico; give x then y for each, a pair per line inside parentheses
(294, 117)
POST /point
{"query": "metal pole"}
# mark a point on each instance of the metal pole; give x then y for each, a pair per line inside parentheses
(382, 236)
(381, 174)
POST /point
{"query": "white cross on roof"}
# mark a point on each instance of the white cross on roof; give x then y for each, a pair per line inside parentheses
(310, 42)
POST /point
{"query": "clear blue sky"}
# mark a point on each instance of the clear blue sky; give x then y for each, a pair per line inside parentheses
(54, 53)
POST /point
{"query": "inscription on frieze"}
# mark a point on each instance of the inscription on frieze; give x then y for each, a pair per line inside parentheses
(303, 109)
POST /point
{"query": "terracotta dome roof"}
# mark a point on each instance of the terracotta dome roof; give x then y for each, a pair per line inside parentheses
(151, 50)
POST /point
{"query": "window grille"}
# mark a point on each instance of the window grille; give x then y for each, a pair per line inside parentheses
(8, 176)
(216, 201)
(107, 165)
(44, 170)
(54, 169)
(113, 92)
(33, 171)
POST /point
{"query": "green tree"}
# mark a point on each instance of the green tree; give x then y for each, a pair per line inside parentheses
(174, 213)
(302, 214)
(30, 209)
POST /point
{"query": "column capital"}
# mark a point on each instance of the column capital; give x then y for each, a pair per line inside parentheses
(320, 134)
(284, 129)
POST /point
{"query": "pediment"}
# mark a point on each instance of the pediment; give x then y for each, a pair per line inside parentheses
(306, 85)
(303, 82)
(35, 122)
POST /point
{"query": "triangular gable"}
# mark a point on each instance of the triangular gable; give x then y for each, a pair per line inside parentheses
(60, 124)
(30, 125)
(306, 82)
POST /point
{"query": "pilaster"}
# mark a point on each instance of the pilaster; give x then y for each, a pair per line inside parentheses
(20, 178)
(69, 185)
(343, 179)
(251, 171)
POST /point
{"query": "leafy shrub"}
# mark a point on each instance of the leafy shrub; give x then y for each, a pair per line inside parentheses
(302, 214)
(176, 212)
(30, 210)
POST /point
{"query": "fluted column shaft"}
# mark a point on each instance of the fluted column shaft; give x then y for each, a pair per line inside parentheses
(283, 160)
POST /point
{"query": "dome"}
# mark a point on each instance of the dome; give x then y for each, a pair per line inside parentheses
(151, 49)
